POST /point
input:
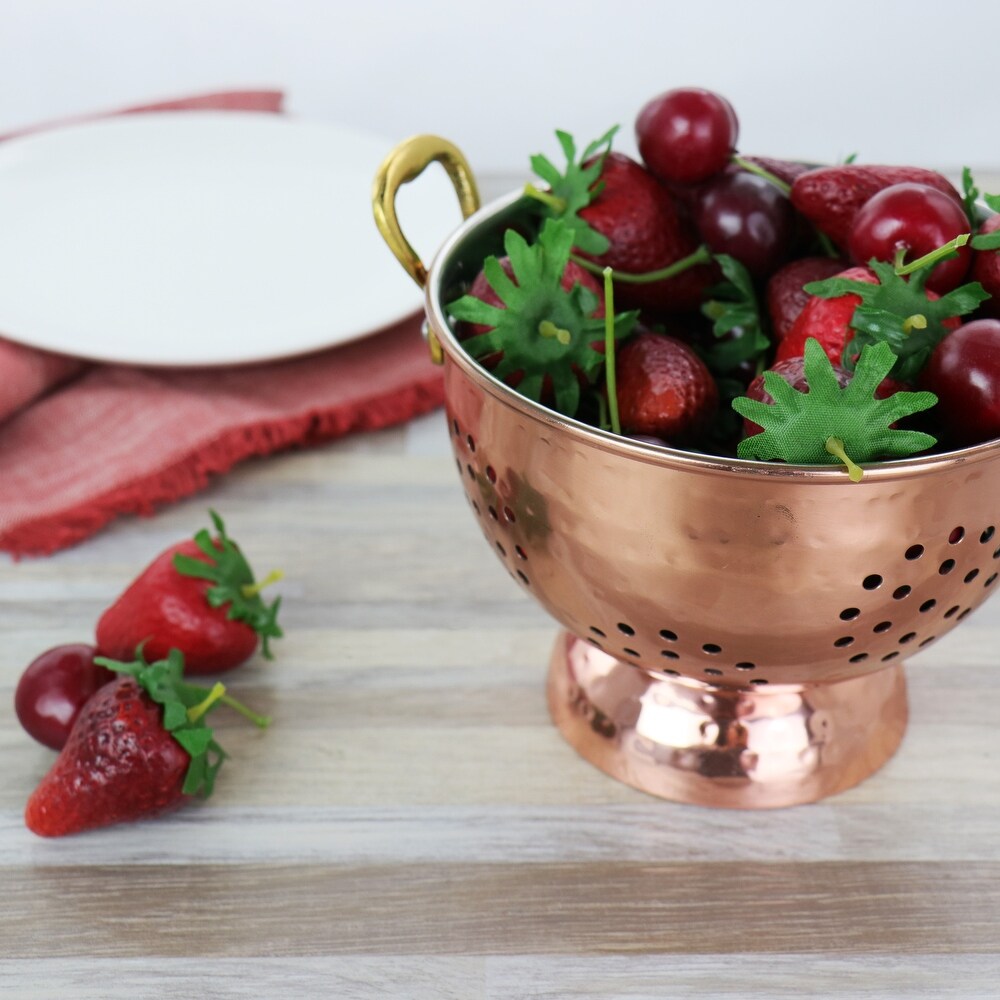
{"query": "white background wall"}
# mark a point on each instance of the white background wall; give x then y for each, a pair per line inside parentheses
(895, 81)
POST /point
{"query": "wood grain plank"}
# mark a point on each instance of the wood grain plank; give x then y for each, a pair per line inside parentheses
(611, 908)
(525, 977)
(358, 977)
(648, 830)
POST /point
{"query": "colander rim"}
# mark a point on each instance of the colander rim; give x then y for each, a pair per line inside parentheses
(622, 446)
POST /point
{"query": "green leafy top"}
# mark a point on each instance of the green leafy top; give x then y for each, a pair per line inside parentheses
(184, 709)
(575, 187)
(542, 329)
(977, 214)
(988, 241)
(233, 582)
(830, 424)
(897, 311)
(732, 305)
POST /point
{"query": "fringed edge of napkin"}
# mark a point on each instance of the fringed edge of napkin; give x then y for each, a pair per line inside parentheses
(144, 495)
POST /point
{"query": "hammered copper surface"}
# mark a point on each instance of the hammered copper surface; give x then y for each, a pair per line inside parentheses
(724, 746)
(732, 574)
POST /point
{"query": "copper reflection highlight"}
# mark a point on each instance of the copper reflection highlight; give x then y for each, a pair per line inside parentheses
(747, 749)
(738, 626)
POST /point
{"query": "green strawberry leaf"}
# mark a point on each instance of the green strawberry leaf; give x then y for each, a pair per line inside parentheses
(575, 187)
(986, 241)
(543, 330)
(896, 311)
(829, 424)
(234, 583)
(976, 214)
(732, 305)
(970, 195)
(184, 709)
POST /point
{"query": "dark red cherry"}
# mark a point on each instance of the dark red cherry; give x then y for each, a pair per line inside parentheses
(747, 217)
(964, 374)
(53, 689)
(912, 220)
(686, 135)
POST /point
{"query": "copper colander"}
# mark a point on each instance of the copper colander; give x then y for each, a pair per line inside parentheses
(733, 630)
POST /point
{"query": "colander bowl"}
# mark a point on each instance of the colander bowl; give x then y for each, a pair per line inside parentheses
(733, 632)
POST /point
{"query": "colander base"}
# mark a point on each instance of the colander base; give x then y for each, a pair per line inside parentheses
(743, 748)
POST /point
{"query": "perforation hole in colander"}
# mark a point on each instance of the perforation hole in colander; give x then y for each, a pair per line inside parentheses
(952, 555)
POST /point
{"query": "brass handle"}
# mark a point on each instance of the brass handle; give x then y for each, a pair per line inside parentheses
(405, 163)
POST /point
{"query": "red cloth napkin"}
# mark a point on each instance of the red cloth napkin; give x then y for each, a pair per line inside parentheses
(82, 444)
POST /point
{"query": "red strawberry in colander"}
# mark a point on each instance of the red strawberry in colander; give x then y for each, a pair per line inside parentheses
(986, 268)
(664, 389)
(786, 294)
(622, 217)
(645, 232)
(830, 197)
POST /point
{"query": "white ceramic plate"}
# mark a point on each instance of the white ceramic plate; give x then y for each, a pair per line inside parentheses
(203, 238)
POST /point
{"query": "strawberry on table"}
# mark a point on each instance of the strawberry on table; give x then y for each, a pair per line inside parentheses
(198, 596)
(139, 747)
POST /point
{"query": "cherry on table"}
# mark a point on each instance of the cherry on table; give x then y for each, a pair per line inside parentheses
(686, 135)
(53, 689)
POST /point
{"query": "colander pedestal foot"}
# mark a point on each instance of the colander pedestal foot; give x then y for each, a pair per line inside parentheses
(734, 747)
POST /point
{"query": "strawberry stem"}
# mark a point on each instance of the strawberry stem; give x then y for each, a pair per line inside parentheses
(548, 329)
(700, 256)
(253, 589)
(784, 187)
(933, 257)
(557, 204)
(915, 322)
(260, 721)
(836, 448)
(609, 350)
(195, 712)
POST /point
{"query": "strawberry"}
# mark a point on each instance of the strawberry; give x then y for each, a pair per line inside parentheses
(533, 324)
(828, 422)
(831, 196)
(664, 389)
(198, 596)
(785, 170)
(986, 268)
(645, 232)
(573, 274)
(624, 218)
(793, 371)
(786, 294)
(876, 304)
(139, 747)
(827, 320)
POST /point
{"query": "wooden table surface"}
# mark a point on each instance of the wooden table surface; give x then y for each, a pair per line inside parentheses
(412, 825)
